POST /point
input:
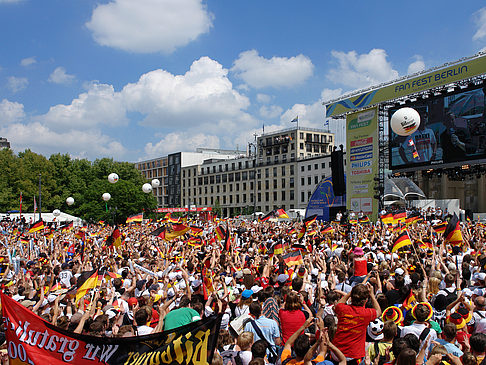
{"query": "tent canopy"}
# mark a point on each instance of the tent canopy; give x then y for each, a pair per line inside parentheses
(402, 188)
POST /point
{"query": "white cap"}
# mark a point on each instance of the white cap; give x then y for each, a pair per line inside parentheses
(399, 271)
(228, 280)
(256, 288)
(315, 271)
(51, 298)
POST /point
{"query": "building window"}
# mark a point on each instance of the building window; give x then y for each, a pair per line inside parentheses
(283, 183)
(302, 196)
(267, 196)
(274, 172)
(309, 180)
(267, 184)
(291, 169)
(283, 170)
(309, 167)
(302, 168)
(267, 173)
(275, 183)
(330, 138)
(301, 135)
(316, 179)
(291, 182)
(275, 198)
(283, 194)
(301, 146)
(259, 197)
(302, 181)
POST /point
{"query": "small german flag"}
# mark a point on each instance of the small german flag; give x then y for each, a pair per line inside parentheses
(364, 220)
(399, 217)
(452, 233)
(409, 301)
(195, 241)
(281, 214)
(293, 258)
(24, 239)
(401, 241)
(220, 233)
(136, 218)
(80, 235)
(159, 232)
(440, 228)
(425, 244)
(387, 218)
(328, 230)
(90, 282)
(307, 223)
(268, 216)
(67, 227)
(37, 226)
(277, 249)
(196, 231)
(291, 231)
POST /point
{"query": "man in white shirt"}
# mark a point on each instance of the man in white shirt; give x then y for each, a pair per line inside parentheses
(420, 327)
(65, 275)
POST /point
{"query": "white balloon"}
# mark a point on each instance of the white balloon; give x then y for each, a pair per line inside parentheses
(405, 121)
(70, 201)
(106, 196)
(155, 183)
(147, 188)
(56, 212)
(113, 178)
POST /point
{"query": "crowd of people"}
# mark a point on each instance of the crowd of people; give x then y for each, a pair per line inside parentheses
(347, 297)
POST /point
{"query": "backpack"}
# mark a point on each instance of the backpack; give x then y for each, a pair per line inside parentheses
(231, 357)
(451, 296)
(381, 358)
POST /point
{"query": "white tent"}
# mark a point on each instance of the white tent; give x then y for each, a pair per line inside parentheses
(46, 217)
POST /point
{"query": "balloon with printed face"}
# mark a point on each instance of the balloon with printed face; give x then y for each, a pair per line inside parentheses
(70, 201)
(106, 196)
(113, 178)
(405, 121)
(147, 188)
(155, 183)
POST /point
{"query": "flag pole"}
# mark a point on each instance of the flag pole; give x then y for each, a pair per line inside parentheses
(40, 197)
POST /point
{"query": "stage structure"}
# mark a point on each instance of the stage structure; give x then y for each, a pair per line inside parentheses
(452, 134)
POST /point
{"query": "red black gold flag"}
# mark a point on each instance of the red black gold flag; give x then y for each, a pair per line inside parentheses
(387, 218)
(37, 226)
(159, 232)
(401, 241)
(277, 249)
(293, 258)
(281, 214)
(440, 228)
(268, 216)
(136, 218)
(452, 233)
(220, 233)
(399, 217)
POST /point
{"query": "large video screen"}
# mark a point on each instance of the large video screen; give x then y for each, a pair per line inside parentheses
(452, 131)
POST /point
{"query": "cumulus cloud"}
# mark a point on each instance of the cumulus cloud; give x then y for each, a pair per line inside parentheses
(203, 96)
(416, 66)
(147, 26)
(99, 105)
(361, 70)
(480, 20)
(330, 94)
(59, 76)
(83, 144)
(277, 72)
(28, 61)
(270, 111)
(263, 98)
(181, 142)
(16, 84)
(11, 111)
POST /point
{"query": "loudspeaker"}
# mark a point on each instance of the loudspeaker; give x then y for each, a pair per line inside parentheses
(337, 171)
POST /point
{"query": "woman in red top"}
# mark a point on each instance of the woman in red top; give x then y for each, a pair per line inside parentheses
(360, 263)
(291, 316)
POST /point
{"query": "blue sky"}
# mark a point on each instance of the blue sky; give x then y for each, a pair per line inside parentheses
(136, 79)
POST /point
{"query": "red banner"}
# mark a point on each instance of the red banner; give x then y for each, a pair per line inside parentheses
(175, 210)
(31, 340)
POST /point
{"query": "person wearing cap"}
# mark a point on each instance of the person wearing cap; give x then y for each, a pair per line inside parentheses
(382, 344)
(360, 266)
(243, 306)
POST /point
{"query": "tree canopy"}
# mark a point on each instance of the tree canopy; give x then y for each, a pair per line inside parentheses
(85, 181)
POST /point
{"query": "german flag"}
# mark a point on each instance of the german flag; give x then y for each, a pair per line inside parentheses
(196, 231)
(195, 241)
(401, 241)
(111, 275)
(86, 281)
(80, 235)
(293, 258)
(364, 220)
(281, 214)
(227, 240)
(67, 227)
(24, 239)
(387, 218)
(312, 232)
(115, 238)
(277, 249)
(37, 226)
(136, 218)
(307, 223)
(399, 217)
(298, 246)
(425, 244)
(168, 218)
(452, 233)
(440, 228)
(334, 246)
(291, 231)
(180, 229)
(409, 301)
(220, 233)
(268, 216)
(159, 232)
(328, 230)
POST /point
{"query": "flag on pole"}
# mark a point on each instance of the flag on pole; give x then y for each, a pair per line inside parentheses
(282, 213)
(402, 240)
(293, 258)
(135, 218)
(86, 281)
(452, 233)
(440, 228)
(295, 120)
(37, 226)
(35, 206)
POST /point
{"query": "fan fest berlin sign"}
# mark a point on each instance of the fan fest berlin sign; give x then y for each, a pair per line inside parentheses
(362, 161)
(439, 77)
(31, 340)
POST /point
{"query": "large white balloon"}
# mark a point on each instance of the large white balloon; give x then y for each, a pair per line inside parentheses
(405, 121)
(113, 178)
(106, 196)
(70, 201)
(147, 188)
(56, 212)
(155, 183)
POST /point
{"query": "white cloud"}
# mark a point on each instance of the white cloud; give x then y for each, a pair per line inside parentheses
(480, 20)
(278, 72)
(100, 104)
(416, 66)
(41, 139)
(10, 111)
(28, 61)
(180, 142)
(330, 94)
(16, 84)
(263, 98)
(202, 98)
(359, 71)
(146, 26)
(59, 76)
(270, 111)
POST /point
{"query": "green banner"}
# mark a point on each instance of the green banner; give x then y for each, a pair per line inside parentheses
(362, 161)
(440, 77)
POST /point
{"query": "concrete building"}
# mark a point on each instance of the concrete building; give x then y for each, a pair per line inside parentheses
(4, 143)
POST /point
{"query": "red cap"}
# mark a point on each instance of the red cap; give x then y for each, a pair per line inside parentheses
(132, 301)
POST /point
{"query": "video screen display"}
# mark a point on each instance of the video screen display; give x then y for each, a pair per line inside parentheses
(452, 131)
